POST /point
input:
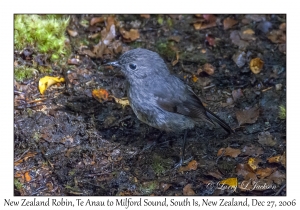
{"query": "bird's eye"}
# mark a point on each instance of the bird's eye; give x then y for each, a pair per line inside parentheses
(132, 66)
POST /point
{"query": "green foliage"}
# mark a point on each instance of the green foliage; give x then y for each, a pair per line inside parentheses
(148, 187)
(282, 113)
(23, 72)
(164, 48)
(18, 184)
(44, 33)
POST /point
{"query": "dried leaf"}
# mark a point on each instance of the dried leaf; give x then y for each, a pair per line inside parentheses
(195, 78)
(175, 38)
(48, 81)
(236, 39)
(209, 69)
(232, 182)
(100, 95)
(252, 151)
(265, 138)
(277, 177)
(253, 163)
(197, 26)
(210, 18)
(131, 35)
(210, 39)
(236, 94)
(147, 16)
(256, 65)
(27, 176)
(95, 20)
(278, 159)
(245, 171)
(277, 36)
(229, 22)
(264, 172)
(187, 190)
(247, 116)
(72, 33)
(122, 101)
(215, 174)
(26, 156)
(165, 186)
(229, 152)
(177, 59)
(192, 166)
(109, 22)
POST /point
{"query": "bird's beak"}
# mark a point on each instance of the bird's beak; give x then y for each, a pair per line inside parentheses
(115, 64)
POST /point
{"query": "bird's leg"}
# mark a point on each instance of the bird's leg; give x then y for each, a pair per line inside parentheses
(183, 150)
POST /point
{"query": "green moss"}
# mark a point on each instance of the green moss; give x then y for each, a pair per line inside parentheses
(169, 22)
(23, 72)
(18, 184)
(282, 113)
(159, 165)
(165, 48)
(160, 20)
(148, 187)
(44, 33)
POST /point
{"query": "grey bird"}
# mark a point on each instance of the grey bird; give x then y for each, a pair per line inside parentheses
(159, 98)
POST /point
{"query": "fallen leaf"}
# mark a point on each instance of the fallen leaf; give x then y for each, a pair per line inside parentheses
(277, 177)
(245, 171)
(236, 39)
(247, 116)
(95, 20)
(48, 81)
(100, 95)
(232, 182)
(109, 22)
(72, 33)
(187, 190)
(252, 151)
(229, 22)
(248, 31)
(117, 46)
(265, 138)
(264, 172)
(175, 38)
(210, 18)
(278, 159)
(239, 58)
(197, 26)
(282, 26)
(122, 101)
(229, 152)
(209, 69)
(256, 65)
(73, 61)
(27, 176)
(215, 174)
(253, 163)
(192, 166)
(165, 186)
(26, 156)
(147, 16)
(195, 78)
(236, 94)
(177, 59)
(131, 35)
(277, 36)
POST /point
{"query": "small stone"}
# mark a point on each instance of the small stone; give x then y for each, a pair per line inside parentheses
(278, 86)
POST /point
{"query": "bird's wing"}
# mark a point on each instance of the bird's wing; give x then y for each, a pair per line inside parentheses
(181, 99)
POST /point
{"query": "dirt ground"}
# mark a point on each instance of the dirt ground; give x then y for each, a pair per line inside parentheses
(70, 143)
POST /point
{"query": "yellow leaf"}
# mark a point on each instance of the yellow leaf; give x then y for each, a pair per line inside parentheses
(194, 78)
(232, 182)
(122, 101)
(47, 81)
(256, 64)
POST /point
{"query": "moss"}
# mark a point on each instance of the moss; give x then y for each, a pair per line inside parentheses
(44, 33)
(23, 72)
(160, 20)
(18, 184)
(282, 113)
(148, 187)
(160, 165)
(165, 48)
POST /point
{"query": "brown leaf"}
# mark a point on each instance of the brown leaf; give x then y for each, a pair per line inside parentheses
(236, 94)
(209, 69)
(210, 18)
(131, 35)
(175, 38)
(27, 176)
(277, 177)
(72, 33)
(117, 46)
(278, 159)
(215, 174)
(210, 39)
(95, 20)
(252, 151)
(26, 156)
(265, 138)
(229, 152)
(247, 116)
(197, 26)
(100, 94)
(165, 186)
(277, 36)
(109, 22)
(192, 166)
(147, 16)
(235, 37)
(282, 26)
(256, 65)
(229, 22)
(177, 59)
(264, 172)
(245, 171)
(187, 190)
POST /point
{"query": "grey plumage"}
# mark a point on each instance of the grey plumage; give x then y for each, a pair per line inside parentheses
(159, 98)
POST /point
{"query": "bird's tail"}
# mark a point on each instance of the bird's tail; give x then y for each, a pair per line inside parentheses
(216, 119)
